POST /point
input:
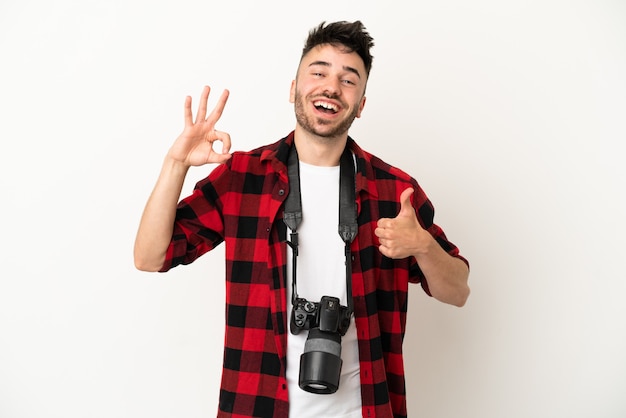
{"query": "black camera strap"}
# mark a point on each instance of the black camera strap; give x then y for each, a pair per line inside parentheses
(348, 226)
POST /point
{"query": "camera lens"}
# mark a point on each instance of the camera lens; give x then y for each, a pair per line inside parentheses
(320, 364)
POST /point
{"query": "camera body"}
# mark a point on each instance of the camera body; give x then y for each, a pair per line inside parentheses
(327, 321)
(327, 315)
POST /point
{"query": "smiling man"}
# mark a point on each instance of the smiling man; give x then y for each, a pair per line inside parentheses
(315, 319)
(328, 93)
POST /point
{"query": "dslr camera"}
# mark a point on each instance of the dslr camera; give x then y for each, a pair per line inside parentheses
(327, 321)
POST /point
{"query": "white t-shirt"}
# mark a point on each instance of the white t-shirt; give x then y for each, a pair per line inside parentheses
(321, 271)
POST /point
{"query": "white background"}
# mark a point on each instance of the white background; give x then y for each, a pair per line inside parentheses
(511, 115)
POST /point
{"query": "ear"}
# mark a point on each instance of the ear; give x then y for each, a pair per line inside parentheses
(292, 92)
(361, 106)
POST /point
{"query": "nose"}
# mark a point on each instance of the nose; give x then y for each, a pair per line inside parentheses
(332, 87)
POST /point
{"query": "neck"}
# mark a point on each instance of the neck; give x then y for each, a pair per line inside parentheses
(319, 151)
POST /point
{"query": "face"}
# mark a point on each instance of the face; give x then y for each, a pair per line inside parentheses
(328, 92)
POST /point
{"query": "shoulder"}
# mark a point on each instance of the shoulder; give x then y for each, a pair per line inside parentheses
(266, 156)
(246, 172)
(376, 170)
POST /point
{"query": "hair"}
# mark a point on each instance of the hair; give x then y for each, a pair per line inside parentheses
(351, 36)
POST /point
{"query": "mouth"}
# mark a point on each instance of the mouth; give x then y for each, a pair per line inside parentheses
(326, 107)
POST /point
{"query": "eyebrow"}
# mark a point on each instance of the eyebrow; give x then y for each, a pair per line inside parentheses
(328, 64)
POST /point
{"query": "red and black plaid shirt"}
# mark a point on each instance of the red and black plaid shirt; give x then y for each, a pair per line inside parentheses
(241, 203)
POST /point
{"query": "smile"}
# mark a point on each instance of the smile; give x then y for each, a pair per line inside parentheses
(325, 106)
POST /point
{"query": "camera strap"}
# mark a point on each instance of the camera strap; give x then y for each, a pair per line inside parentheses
(348, 226)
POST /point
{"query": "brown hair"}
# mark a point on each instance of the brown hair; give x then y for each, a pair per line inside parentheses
(352, 36)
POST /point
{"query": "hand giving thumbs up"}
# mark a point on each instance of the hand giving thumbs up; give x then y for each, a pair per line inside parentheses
(403, 235)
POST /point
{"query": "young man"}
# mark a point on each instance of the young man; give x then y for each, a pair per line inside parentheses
(274, 264)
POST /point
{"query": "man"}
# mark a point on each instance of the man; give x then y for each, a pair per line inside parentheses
(272, 264)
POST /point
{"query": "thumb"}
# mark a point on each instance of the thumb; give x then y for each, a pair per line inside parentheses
(406, 208)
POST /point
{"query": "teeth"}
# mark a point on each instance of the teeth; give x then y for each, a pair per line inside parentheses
(326, 105)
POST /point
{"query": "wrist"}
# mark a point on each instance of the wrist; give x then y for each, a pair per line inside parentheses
(174, 167)
(429, 247)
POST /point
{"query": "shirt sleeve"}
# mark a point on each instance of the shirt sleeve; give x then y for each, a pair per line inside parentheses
(426, 215)
(199, 223)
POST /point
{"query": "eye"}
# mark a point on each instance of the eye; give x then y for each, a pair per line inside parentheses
(350, 80)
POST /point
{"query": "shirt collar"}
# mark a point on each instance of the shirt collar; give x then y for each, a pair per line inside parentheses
(278, 153)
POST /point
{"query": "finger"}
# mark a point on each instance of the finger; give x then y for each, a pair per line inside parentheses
(204, 98)
(221, 158)
(386, 231)
(383, 223)
(385, 251)
(406, 208)
(227, 143)
(188, 114)
(216, 114)
(224, 137)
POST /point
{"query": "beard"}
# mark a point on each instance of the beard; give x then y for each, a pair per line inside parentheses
(319, 126)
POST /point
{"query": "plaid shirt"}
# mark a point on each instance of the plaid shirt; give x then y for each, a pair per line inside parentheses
(241, 203)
